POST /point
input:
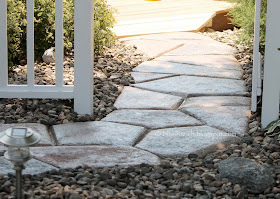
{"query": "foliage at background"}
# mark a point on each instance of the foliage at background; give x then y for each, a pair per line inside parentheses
(243, 16)
(44, 27)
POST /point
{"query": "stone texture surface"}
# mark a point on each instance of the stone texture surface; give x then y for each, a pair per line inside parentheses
(134, 98)
(40, 128)
(212, 101)
(187, 69)
(243, 171)
(32, 167)
(185, 140)
(202, 47)
(153, 48)
(142, 77)
(99, 133)
(95, 156)
(232, 119)
(152, 118)
(2, 149)
(195, 86)
(181, 36)
(217, 61)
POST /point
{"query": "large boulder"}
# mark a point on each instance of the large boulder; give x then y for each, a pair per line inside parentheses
(254, 176)
(49, 55)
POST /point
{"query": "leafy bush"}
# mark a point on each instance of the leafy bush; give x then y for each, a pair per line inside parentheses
(44, 27)
(103, 22)
(16, 28)
(243, 16)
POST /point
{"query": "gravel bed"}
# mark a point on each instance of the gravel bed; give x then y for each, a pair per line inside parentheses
(111, 73)
(191, 177)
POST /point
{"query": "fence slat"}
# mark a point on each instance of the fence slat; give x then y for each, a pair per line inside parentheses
(270, 100)
(259, 90)
(30, 42)
(83, 43)
(3, 44)
(256, 63)
(59, 42)
(38, 91)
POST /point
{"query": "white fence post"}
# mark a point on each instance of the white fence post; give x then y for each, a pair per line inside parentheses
(59, 55)
(30, 42)
(83, 44)
(3, 44)
(270, 102)
(256, 65)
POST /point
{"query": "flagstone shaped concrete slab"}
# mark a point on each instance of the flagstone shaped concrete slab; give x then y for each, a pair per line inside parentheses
(232, 119)
(181, 36)
(195, 86)
(202, 47)
(187, 69)
(97, 133)
(213, 101)
(153, 48)
(32, 167)
(134, 98)
(143, 77)
(152, 118)
(40, 128)
(228, 62)
(94, 156)
(185, 140)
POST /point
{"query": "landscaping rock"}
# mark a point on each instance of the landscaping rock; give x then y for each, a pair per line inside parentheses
(49, 56)
(243, 171)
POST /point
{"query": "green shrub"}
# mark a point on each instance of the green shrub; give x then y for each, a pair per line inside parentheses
(16, 27)
(44, 27)
(103, 22)
(243, 16)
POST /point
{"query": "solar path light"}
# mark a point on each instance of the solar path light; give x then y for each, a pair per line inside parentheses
(18, 140)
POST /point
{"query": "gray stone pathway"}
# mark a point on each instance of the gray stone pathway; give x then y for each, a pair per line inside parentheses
(186, 86)
(185, 140)
(152, 118)
(190, 99)
(228, 62)
(97, 156)
(134, 98)
(186, 69)
(97, 133)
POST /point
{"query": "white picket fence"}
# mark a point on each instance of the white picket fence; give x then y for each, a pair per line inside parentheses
(256, 75)
(271, 82)
(82, 91)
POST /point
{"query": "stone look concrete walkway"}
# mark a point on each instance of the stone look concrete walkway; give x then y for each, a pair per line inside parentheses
(190, 98)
